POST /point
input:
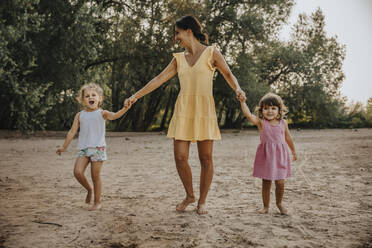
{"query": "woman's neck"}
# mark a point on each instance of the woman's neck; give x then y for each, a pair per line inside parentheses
(194, 46)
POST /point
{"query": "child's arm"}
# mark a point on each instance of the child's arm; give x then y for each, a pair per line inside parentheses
(107, 115)
(251, 117)
(289, 140)
(70, 135)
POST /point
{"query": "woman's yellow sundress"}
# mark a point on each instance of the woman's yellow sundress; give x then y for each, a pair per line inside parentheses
(194, 118)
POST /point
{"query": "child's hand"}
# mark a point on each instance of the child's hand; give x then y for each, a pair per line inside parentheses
(294, 154)
(127, 105)
(129, 101)
(240, 95)
(60, 150)
(242, 99)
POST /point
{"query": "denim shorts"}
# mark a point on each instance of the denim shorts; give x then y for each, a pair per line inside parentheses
(95, 154)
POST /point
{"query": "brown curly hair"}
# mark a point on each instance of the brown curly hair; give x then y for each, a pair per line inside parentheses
(271, 99)
(90, 86)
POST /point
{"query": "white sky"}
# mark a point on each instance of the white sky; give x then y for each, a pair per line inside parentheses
(351, 21)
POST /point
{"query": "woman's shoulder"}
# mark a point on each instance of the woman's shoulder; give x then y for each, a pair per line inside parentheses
(211, 57)
(177, 57)
(212, 46)
(215, 53)
(178, 54)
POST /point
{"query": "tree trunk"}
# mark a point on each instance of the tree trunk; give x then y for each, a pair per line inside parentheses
(164, 118)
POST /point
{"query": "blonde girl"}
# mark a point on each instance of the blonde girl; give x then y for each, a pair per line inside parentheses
(91, 144)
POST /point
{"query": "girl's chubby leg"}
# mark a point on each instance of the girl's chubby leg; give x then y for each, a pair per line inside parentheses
(181, 155)
(81, 164)
(96, 178)
(279, 192)
(266, 185)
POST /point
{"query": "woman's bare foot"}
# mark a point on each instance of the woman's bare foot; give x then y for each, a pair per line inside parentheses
(282, 210)
(182, 206)
(89, 197)
(263, 211)
(201, 209)
(96, 206)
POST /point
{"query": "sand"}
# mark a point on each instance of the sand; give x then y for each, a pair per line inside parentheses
(329, 196)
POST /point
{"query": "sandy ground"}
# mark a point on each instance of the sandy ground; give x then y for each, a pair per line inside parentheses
(329, 196)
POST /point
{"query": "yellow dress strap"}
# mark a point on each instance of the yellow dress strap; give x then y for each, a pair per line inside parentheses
(177, 56)
(210, 57)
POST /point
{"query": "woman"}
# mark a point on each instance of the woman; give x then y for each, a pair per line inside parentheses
(194, 118)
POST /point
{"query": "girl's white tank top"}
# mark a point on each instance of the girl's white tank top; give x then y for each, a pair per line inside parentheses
(92, 129)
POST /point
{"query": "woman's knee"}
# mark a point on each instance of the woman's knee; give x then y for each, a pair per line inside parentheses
(180, 158)
(206, 160)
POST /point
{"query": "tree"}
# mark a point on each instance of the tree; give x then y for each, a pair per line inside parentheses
(368, 113)
(24, 102)
(45, 47)
(310, 80)
(50, 48)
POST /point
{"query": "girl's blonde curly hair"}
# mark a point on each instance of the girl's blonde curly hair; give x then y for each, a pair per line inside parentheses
(90, 86)
(271, 99)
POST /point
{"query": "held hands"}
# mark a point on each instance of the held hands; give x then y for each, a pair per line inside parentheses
(60, 150)
(130, 101)
(240, 95)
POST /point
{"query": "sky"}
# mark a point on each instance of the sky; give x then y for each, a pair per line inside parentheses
(351, 22)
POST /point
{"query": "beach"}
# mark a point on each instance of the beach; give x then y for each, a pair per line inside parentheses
(328, 196)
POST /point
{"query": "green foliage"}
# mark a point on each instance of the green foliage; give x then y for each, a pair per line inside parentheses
(45, 46)
(368, 112)
(48, 49)
(24, 102)
(308, 73)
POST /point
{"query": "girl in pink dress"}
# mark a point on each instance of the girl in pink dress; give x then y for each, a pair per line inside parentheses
(272, 160)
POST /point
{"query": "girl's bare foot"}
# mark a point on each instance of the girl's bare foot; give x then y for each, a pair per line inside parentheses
(201, 209)
(96, 206)
(182, 206)
(282, 210)
(89, 197)
(263, 211)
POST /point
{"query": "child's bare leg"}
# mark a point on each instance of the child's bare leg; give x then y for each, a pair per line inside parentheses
(279, 192)
(266, 185)
(79, 169)
(96, 178)
(181, 155)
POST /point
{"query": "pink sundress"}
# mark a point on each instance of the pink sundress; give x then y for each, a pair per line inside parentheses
(272, 160)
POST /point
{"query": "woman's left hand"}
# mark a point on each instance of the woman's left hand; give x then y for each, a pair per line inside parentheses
(240, 95)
